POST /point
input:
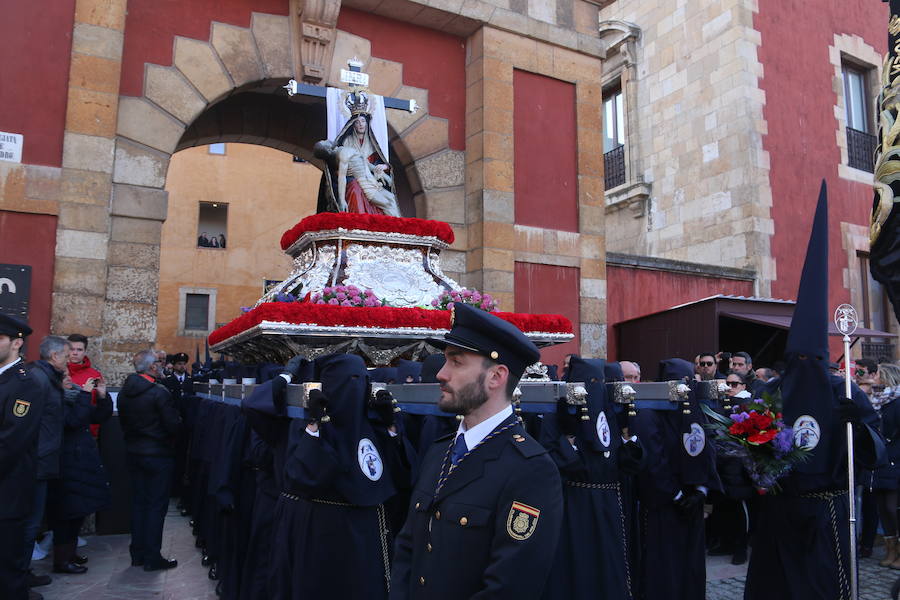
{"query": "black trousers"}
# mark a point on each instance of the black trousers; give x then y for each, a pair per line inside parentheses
(151, 480)
(12, 567)
(65, 531)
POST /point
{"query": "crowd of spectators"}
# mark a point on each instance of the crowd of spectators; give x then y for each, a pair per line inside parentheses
(71, 482)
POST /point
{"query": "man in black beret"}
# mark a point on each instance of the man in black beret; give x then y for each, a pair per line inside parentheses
(485, 513)
(21, 406)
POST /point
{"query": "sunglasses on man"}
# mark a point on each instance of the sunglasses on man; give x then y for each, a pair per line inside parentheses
(733, 383)
(704, 363)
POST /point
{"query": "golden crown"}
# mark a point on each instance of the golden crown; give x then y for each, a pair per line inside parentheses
(357, 102)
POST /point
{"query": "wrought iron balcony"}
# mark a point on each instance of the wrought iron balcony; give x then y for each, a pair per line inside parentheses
(861, 149)
(614, 167)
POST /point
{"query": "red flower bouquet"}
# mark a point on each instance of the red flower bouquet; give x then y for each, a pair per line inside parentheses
(755, 433)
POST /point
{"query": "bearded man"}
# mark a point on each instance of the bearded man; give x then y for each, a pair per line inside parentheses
(486, 511)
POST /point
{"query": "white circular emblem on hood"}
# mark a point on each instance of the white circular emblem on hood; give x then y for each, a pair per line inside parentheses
(369, 460)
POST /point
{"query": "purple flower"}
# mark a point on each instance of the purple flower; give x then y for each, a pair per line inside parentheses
(346, 303)
(246, 309)
(315, 297)
(341, 296)
(759, 401)
(352, 289)
(740, 417)
(370, 302)
(467, 293)
(434, 302)
(370, 293)
(784, 441)
(333, 302)
(476, 296)
(355, 300)
(328, 290)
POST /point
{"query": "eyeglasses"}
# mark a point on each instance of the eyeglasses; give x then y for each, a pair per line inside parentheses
(706, 364)
(734, 384)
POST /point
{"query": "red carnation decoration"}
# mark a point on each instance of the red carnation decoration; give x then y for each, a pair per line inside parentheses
(382, 223)
(383, 316)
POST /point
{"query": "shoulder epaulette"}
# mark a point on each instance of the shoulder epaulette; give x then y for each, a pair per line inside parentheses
(526, 445)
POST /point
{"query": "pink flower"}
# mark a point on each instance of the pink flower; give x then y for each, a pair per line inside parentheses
(346, 303)
(315, 297)
(370, 293)
(333, 302)
(434, 302)
(370, 302)
(341, 296)
(476, 296)
(353, 289)
(328, 290)
(356, 300)
(467, 293)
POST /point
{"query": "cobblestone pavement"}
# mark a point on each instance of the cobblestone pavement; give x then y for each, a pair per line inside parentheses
(110, 576)
(724, 583)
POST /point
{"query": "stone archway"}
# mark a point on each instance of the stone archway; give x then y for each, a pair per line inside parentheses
(151, 127)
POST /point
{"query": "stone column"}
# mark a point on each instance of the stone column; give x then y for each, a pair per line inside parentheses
(82, 250)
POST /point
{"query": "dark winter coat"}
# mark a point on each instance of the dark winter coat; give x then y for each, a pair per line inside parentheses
(83, 487)
(148, 417)
(887, 476)
(50, 437)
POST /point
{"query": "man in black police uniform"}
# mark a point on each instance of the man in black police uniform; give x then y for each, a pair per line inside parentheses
(181, 386)
(21, 405)
(486, 511)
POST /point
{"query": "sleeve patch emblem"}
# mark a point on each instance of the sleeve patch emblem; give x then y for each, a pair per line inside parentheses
(522, 521)
(21, 407)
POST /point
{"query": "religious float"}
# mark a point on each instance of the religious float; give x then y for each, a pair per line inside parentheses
(364, 284)
(368, 281)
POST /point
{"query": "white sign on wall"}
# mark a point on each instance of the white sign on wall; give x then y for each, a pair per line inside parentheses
(11, 146)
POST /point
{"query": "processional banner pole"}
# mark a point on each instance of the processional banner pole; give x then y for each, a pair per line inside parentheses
(846, 321)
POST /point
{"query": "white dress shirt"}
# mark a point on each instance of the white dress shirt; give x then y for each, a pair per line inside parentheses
(10, 365)
(474, 436)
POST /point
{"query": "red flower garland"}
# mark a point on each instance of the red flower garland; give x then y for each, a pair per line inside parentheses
(326, 221)
(384, 317)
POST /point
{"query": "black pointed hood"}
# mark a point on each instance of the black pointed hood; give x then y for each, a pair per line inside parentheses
(808, 400)
(809, 327)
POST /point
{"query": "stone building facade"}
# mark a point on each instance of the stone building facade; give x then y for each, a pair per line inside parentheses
(733, 112)
(140, 81)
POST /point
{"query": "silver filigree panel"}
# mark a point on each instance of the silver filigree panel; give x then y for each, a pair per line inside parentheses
(394, 274)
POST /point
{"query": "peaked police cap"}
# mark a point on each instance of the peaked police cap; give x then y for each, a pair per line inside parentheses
(483, 333)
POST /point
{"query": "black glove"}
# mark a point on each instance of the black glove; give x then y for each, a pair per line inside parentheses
(315, 409)
(630, 458)
(568, 416)
(382, 405)
(848, 412)
(690, 501)
(293, 366)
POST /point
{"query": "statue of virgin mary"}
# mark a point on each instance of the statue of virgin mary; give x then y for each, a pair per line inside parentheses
(357, 175)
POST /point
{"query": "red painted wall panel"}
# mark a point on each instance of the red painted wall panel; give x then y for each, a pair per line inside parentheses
(151, 27)
(431, 60)
(634, 293)
(30, 239)
(801, 141)
(554, 290)
(34, 75)
(546, 169)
